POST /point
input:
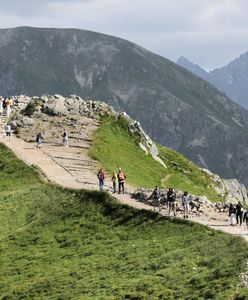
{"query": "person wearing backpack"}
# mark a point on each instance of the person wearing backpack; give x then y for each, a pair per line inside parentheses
(121, 179)
(101, 177)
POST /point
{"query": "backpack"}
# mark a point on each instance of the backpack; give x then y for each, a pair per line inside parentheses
(121, 176)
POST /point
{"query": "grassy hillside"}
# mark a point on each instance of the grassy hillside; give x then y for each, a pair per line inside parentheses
(63, 244)
(114, 146)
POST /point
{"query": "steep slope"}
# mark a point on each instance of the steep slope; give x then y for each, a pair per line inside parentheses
(65, 244)
(175, 107)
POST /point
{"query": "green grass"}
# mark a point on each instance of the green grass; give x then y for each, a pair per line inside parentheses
(114, 146)
(64, 244)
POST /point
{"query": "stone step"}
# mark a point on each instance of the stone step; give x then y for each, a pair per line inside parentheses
(78, 169)
(74, 159)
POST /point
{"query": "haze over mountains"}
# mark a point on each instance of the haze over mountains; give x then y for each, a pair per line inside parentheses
(175, 107)
(231, 79)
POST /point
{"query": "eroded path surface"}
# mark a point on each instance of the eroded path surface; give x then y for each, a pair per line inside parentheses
(71, 167)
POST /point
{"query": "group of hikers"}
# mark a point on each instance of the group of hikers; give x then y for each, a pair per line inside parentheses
(118, 178)
(6, 105)
(170, 200)
(238, 215)
(40, 139)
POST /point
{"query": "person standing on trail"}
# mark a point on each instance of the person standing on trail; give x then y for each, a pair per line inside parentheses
(114, 180)
(8, 106)
(65, 138)
(239, 213)
(185, 203)
(101, 177)
(8, 131)
(232, 215)
(245, 219)
(121, 179)
(1, 105)
(171, 200)
(39, 140)
(156, 196)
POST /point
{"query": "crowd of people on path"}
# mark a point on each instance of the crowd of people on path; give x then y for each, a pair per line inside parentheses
(170, 201)
(118, 180)
(238, 215)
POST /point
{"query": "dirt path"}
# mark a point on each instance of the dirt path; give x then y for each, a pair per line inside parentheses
(69, 167)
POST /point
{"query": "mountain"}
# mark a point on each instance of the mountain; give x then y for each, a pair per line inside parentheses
(231, 79)
(175, 107)
(194, 68)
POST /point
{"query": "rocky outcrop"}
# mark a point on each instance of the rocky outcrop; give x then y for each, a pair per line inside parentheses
(230, 189)
(235, 191)
(146, 144)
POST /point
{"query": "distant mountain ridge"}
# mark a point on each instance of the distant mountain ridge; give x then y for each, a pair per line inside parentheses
(194, 68)
(231, 79)
(175, 107)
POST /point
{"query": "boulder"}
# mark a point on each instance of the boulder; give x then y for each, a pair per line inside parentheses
(56, 107)
(26, 121)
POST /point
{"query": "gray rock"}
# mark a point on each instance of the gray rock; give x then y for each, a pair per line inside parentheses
(56, 108)
(26, 121)
(236, 191)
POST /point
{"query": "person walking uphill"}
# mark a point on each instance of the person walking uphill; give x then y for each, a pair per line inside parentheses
(101, 177)
(121, 179)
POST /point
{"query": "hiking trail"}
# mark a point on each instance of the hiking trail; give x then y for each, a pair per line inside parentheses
(71, 167)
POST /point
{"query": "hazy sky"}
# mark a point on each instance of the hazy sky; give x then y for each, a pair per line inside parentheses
(208, 32)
